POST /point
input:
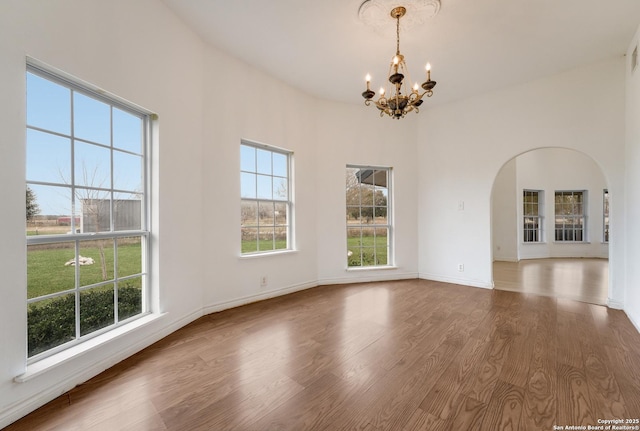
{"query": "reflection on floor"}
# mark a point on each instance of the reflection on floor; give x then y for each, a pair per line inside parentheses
(585, 280)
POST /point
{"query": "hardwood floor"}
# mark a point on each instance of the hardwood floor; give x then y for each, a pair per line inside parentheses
(585, 280)
(404, 355)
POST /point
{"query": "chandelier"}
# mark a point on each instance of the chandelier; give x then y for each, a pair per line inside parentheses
(397, 105)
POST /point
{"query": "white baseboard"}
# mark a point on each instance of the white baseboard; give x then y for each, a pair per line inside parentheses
(364, 277)
(458, 280)
(636, 324)
(611, 303)
(225, 305)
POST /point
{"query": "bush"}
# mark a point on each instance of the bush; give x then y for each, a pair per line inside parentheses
(52, 322)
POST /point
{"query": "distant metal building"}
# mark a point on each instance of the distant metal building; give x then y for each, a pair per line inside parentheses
(96, 215)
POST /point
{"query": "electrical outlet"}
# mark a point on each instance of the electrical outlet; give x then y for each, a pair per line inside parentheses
(263, 281)
(461, 267)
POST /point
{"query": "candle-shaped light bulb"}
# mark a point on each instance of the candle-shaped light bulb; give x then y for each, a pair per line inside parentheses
(381, 91)
(428, 72)
(396, 60)
(415, 87)
(368, 79)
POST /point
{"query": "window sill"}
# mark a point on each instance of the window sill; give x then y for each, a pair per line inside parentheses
(46, 364)
(370, 268)
(534, 243)
(266, 254)
(571, 242)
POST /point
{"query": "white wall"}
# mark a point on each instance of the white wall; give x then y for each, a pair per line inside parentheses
(242, 103)
(357, 135)
(141, 52)
(504, 216)
(462, 146)
(632, 156)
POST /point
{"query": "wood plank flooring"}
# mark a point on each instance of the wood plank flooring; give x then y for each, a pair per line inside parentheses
(403, 355)
(584, 279)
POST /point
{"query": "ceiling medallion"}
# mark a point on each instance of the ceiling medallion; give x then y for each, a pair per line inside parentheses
(397, 104)
(375, 13)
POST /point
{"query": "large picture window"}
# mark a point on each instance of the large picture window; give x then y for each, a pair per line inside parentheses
(86, 212)
(368, 216)
(532, 204)
(570, 215)
(265, 213)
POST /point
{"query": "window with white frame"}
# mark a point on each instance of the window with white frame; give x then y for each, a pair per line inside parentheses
(532, 211)
(266, 206)
(86, 212)
(605, 216)
(368, 201)
(570, 216)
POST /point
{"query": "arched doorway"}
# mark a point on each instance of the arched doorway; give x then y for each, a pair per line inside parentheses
(550, 225)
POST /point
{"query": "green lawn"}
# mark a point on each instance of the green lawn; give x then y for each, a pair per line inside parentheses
(46, 272)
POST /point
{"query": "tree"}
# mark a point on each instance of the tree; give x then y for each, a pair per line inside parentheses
(94, 201)
(32, 206)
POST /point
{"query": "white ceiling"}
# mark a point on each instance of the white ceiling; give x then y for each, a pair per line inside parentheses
(474, 46)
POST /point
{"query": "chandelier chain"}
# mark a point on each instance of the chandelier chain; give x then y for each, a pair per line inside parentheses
(398, 35)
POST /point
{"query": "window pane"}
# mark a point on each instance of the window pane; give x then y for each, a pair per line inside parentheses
(366, 195)
(43, 332)
(263, 161)
(249, 213)
(380, 178)
(129, 298)
(127, 131)
(96, 309)
(248, 185)
(48, 158)
(265, 187)
(280, 213)
(381, 246)
(266, 238)
(91, 119)
(247, 158)
(280, 238)
(354, 256)
(266, 213)
(95, 261)
(92, 165)
(249, 240)
(129, 256)
(280, 165)
(50, 268)
(380, 215)
(127, 212)
(127, 172)
(354, 237)
(49, 210)
(48, 105)
(280, 189)
(95, 207)
(366, 214)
